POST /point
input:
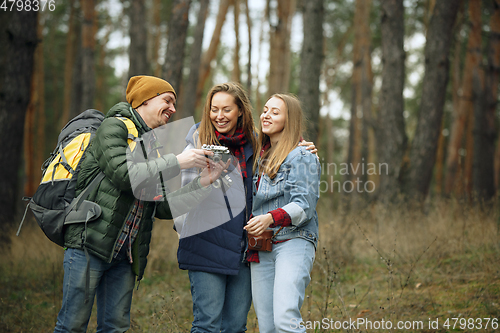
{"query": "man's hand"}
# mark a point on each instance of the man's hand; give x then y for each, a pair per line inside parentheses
(193, 158)
(212, 172)
(258, 224)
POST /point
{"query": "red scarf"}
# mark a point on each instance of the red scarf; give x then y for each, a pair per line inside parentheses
(235, 144)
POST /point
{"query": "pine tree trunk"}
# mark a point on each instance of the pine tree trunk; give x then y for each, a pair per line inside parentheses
(34, 137)
(310, 65)
(174, 58)
(485, 103)
(18, 37)
(425, 143)
(279, 57)
(101, 78)
(390, 132)
(189, 103)
(361, 83)
(472, 61)
(88, 50)
(210, 54)
(68, 65)
(156, 38)
(138, 59)
(236, 73)
(249, 64)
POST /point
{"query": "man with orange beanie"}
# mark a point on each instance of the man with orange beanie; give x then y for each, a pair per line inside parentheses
(105, 257)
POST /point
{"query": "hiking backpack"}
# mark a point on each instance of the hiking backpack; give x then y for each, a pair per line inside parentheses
(54, 204)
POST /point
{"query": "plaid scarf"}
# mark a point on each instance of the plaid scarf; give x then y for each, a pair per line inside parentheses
(235, 144)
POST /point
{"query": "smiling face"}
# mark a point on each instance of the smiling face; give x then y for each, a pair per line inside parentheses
(273, 118)
(224, 113)
(158, 110)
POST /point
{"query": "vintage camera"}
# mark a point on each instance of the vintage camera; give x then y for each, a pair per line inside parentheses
(221, 153)
(263, 242)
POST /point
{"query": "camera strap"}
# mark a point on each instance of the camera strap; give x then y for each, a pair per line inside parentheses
(276, 232)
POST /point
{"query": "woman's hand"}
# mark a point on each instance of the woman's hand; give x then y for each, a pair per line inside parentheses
(193, 158)
(309, 146)
(212, 172)
(258, 224)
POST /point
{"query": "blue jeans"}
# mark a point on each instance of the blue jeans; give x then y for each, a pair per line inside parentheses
(279, 283)
(220, 302)
(113, 283)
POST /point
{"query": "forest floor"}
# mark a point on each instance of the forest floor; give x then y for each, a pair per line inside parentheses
(376, 270)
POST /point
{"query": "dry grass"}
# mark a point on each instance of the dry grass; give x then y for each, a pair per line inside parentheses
(378, 263)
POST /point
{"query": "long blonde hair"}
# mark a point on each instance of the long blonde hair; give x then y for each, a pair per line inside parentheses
(245, 121)
(271, 160)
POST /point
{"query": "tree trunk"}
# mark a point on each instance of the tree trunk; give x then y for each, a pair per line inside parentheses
(177, 32)
(390, 132)
(425, 143)
(34, 148)
(485, 102)
(18, 37)
(69, 64)
(101, 79)
(236, 74)
(189, 103)
(138, 56)
(310, 65)
(77, 81)
(156, 38)
(279, 55)
(210, 54)
(472, 61)
(249, 64)
(88, 50)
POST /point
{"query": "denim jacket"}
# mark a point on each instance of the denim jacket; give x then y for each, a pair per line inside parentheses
(294, 189)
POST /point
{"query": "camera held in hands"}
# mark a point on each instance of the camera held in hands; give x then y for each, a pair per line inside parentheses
(263, 242)
(221, 153)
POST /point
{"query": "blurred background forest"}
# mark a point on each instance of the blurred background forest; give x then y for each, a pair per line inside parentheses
(402, 102)
(401, 96)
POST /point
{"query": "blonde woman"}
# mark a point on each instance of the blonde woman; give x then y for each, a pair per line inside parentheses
(285, 193)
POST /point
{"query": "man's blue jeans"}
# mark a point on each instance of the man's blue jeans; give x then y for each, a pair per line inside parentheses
(113, 283)
(220, 302)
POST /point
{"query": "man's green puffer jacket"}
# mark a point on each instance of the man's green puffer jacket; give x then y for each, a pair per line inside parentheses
(107, 153)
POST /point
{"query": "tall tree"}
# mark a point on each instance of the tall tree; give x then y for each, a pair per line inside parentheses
(361, 105)
(69, 63)
(18, 37)
(249, 31)
(137, 54)
(177, 32)
(390, 130)
(425, 143)
(310, 64)
(88, 50)
(189, 103)
(485, 96)
(280, 55)
(34, 137)
(464, 108)
(236, 73)
(211, 52)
